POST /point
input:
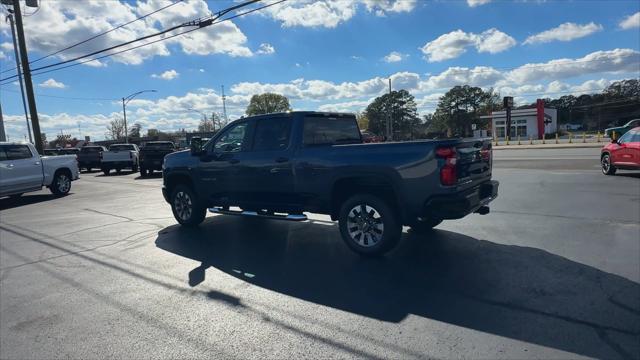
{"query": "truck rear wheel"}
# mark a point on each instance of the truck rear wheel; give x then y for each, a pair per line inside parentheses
(185, 206)
(143, 172)
(369, 225)
(106, 171)
(61, 184)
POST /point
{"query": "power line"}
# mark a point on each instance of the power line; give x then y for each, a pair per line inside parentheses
(96, 36)
(200, 23)
(66, 97)
(149, 43)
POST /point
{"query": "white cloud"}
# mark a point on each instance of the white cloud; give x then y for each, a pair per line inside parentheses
(631, 21)
(331, 13)
(266, 49)
(474, 3)
(201, 70)
(167, 75)
(393, 56)
(565, 32)
(612, 61)
(3, 55)
(453, 44)
(60, 23)
(355, 57)
(52, 84)
(347, 106)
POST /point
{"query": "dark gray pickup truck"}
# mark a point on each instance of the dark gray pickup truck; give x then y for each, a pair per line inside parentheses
(282, 165)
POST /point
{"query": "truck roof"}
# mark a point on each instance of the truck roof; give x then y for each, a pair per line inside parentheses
(290, 113)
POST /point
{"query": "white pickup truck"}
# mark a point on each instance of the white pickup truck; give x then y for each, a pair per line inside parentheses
(23, 170)
(120, 156)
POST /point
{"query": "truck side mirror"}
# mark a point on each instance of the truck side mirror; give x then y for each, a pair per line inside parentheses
(196, 146)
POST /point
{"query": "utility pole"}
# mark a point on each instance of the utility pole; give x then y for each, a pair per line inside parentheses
(389, 116)
(124, 112)
(3, 136)
(26, 69)
(224, 106)
(15, 50)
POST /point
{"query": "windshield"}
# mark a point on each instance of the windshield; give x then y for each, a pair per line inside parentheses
(159, 146)
(121, 147)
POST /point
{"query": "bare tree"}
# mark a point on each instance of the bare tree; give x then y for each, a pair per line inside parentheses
(115, 129)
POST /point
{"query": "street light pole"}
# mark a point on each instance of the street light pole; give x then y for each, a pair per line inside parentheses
(124, 112)
(125, 101)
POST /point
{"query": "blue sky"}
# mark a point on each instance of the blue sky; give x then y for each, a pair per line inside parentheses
(324, 55)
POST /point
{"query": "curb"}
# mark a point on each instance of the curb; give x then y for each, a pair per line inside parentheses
(544, 146)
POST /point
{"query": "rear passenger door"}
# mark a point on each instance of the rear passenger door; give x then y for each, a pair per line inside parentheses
(268, 165)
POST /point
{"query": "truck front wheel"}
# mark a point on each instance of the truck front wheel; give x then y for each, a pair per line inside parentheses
(186, 207)
(369, 225)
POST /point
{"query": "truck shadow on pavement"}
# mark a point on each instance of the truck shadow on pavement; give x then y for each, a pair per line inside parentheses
(9, 203)
(512, 291)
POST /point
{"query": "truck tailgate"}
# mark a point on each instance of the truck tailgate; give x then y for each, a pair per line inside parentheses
(474, 161)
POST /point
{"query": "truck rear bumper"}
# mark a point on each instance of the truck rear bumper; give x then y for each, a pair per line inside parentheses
(117, 164)
(456, 206)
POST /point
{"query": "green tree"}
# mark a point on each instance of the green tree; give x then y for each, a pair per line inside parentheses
(401, 107)
(462, 106)
(267, 103)
(363, 121)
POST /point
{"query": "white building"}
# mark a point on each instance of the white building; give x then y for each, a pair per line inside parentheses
(525, 122)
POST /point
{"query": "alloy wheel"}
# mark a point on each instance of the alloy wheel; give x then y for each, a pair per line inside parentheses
(365, 225)
(183, 205)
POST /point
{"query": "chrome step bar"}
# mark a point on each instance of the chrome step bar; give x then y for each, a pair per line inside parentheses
(264, 215)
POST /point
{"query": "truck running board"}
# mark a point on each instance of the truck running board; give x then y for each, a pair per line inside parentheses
(258, 214)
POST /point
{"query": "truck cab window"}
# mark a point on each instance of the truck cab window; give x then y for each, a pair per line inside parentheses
(17, 152)
(272, 134)
(232, 140)
(330, 131)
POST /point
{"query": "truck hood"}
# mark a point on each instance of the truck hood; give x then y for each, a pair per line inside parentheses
(179, 158)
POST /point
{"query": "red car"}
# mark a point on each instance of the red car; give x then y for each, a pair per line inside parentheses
(623, 153)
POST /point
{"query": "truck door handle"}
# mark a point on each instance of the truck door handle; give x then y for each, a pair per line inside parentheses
(234, 161)
(36, 163)
(282, 159)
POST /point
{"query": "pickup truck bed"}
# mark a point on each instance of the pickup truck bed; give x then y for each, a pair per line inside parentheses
(120, 156)
(316, 162)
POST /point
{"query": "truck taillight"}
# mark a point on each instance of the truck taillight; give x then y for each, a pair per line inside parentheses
(448, 175)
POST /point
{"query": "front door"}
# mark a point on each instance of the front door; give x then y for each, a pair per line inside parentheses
(21, 170)
(220, 167)
(624, 154)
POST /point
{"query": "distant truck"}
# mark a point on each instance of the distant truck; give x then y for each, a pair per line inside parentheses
(279, 166)
(120, 156)
(90, 157)
(23, 170)
(152, 156)
(621, 130)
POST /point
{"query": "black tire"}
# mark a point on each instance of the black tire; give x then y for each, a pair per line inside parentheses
(186, 207)
(61, 184)
(606, 165)
(106, 171)
(421, 227)
(118, 171)
(143, 172)
(363, 233)
(134, 168)
(150, 172)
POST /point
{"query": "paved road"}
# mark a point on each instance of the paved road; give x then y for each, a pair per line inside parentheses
(552, 272)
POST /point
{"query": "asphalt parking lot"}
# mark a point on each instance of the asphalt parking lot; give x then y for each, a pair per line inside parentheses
(552, 272)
